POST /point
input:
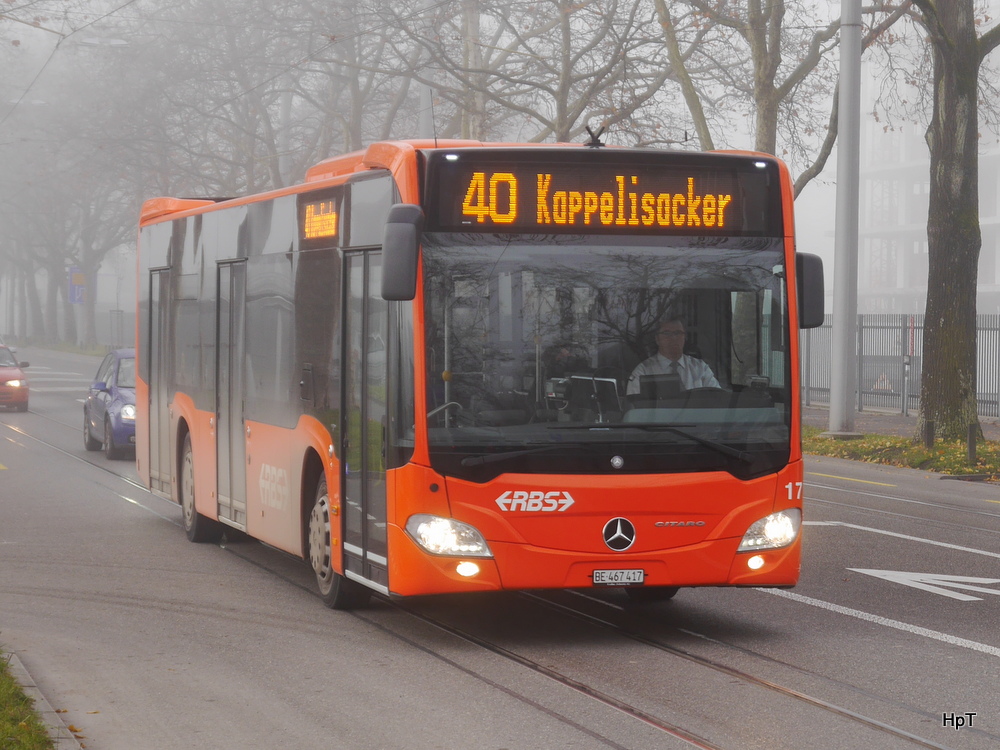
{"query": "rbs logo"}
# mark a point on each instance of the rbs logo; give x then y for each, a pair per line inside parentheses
(273, 487)
(535, 501)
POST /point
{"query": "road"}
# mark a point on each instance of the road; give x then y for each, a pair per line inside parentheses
(141, 639)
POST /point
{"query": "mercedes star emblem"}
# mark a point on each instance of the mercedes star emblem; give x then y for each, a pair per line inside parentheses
(619, 534)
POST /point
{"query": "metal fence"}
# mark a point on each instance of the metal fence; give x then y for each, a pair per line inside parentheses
(889, 356)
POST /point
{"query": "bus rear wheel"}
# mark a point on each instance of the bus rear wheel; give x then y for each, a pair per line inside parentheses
(199, 528)
(336, 591)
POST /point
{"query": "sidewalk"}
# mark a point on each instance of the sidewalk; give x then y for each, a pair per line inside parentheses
(874, 422)
(62, 738)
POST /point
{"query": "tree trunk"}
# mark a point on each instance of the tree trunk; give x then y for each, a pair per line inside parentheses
(55, 277)
(36, 329)
(948, 382)
(69, 314)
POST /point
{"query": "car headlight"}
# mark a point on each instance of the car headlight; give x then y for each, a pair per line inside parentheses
(446, 536)
(17, 383)
(777, 530)
(128, 412)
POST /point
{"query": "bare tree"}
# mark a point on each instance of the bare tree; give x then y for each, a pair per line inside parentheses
(536, 71)
(358, 80)
(948, 381)
(769, 62)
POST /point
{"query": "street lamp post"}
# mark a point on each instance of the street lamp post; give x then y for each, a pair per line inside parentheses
(845, 283)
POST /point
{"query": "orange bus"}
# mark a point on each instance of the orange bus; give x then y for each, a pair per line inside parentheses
(450, 366)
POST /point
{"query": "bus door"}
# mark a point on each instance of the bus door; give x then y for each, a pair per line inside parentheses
(363, 434)
(230, 442)
(159, 398)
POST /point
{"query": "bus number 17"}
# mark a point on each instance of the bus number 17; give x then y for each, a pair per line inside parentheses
(794, 490)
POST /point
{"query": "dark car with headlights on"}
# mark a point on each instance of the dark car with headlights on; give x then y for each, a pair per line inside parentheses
(109, 410)
(13, 383)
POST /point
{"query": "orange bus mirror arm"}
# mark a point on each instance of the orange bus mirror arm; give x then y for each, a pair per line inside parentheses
(400, 247)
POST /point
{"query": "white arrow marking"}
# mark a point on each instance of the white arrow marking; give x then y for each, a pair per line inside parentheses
(934, 583)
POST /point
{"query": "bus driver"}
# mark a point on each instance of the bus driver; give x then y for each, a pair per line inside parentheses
(670, 359)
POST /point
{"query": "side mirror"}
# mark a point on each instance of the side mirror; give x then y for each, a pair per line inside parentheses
(400, 250)
(811, 291)
(22, 365)
(100, 385)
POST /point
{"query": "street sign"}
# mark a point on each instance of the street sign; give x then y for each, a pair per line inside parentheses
(77, 286)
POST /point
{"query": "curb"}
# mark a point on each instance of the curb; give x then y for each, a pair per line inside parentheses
(62, 738)
(968, 477)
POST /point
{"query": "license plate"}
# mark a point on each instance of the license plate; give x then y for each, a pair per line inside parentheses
(618, 577)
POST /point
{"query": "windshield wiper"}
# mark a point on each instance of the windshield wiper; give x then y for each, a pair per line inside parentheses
(725, 450)
(492, 458)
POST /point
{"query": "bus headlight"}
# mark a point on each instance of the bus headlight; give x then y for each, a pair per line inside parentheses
(777, 530)
(446, 536)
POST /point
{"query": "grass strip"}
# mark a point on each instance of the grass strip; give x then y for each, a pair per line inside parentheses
(20, 726)
(946, 457)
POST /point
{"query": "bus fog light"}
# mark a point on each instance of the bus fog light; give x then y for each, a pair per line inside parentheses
(777, 530)
(467, 569)
(755, 563)
(446, 536)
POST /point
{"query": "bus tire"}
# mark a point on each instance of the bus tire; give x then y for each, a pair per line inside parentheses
(651, 594)
(198, 528)
(336, 591)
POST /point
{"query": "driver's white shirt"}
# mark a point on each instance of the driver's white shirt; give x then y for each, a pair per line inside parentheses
(693, 372)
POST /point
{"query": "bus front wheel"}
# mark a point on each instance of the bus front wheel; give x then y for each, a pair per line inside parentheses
(336, 591)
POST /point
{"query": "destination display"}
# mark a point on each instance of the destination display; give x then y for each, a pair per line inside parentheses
(321, 218)
(616, 192)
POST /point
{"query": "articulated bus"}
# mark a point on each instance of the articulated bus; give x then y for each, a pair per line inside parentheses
(430, 368)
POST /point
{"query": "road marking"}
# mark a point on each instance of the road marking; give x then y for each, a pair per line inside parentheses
(849, 479)
(935, 583)
(50, 371)
(139, 504)
(57, 389)
(953, 640)
(905, 536)
(898, 499)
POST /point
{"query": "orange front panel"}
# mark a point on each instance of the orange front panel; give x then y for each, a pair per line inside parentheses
(548, 532)
(568, 513)
(707, 564)
(712, 563)
(412, 571)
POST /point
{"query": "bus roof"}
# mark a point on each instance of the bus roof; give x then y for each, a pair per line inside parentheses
(393, 155)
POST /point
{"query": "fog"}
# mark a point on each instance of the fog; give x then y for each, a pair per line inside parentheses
(104, 105)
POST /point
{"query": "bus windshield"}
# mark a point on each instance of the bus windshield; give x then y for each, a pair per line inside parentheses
(605, 355)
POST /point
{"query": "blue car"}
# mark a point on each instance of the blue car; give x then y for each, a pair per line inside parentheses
(109, 411)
